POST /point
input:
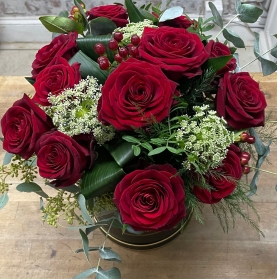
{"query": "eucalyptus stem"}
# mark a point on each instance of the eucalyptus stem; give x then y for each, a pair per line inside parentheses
(225, 26)
(270, 172)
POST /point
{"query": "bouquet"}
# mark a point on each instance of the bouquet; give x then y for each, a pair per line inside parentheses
(138, 111)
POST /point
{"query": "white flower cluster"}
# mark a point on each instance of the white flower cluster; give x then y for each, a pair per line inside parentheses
(74, 111)
(134, 28)
(204, 139)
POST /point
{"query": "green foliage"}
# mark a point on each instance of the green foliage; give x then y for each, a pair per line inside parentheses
(133, 12)
(217, 17)
(233, 38)
(29, 187)
(101, 26)
(248, 13)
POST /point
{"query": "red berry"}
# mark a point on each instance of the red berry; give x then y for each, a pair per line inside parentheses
(71, 17)
(113, 44)
(123, 52)
(99, 48)
(245, 169)
(246, 155)
(244, 136)
(74, 10)
(103, 62)
(118, 36)
(135, 40)
(134, 51)
(118, 58)
(243, 161)
(251, 139)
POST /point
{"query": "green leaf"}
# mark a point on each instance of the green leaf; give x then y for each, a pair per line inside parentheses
(112, 273)
(217, 63)
(259, 146)
(85, 243)
(85, 214)
(157, 150)
(93, 228)
(30, 80)
(83, 14)
(7, 158)
(171, 13)
(29, 187)
(217, 17)
(59, 24)
(268, 67)
(131, 139)
(63, 14)
(273, 52)
(103, 177)
(85, 274)
(101, 26)
(148, 15)
(3, 200)
(136, 150)
(133, 12)
(233, 38)
(249, 13)
(109, 255)
(157, 141)
(89, 67)
(174, 150)
(147, 146)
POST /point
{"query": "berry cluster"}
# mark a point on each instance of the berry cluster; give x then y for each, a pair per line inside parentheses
(75, 13)
(121, 53)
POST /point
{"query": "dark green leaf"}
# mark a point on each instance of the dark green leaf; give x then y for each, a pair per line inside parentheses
(273, 52)
(233, 49)
(7, 158)
(59, 24)
(133, 12)
(217, 17)
(233, 38)
(112, 273)
(249, 13)
(207, 27)
(3, 200)
(109, 255)
(171, 13)
(157, 150)
(101, 26)
(85, 214)
(85, 243)
(89, 67)
(30, 80)
(29, 187)
(131, 139)
(85, 274)
(217, 63)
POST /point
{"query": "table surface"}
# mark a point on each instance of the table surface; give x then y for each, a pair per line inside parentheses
(31, 249)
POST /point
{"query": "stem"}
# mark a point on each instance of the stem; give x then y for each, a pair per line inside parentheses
(226, 26)
(270, 172)
(257, 58)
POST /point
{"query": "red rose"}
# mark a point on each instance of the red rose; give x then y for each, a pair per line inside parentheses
(135, 93)
(217, 49)
(62, 158)
(61, 46)
(151, 199)
(178, 22)
(222, 187)
(178, 52)
(116, 13)
(22, 125)
(55, 78)
(240, 101)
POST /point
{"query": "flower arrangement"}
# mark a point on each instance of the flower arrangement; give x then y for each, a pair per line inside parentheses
(140, 112)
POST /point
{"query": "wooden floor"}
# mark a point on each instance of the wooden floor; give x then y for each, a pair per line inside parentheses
(30, 249)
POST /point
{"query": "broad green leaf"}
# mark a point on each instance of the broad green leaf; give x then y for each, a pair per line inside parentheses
(7, 158)
(268, 67)
(112, 273)
(133, 12)
(30, 80)
(131, 139)
(171, 13)
(157, 151)
(217, 63)
(274, 51)
(109, 255)
(85, 214)
(217, 17)
(85, 243)
(3, 200)
(59, 24)
(101, 26)
(85, 274)
(233, 38)
(136, 150)
(102, 177)
(89, 67)
(249, 13)
(29, 187)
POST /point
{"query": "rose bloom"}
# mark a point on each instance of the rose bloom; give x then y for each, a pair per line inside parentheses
(135, 93)
(151, 199)
(61, 158)
(61, 46)
(178, 52)
(222, 187)
(178, 22)
(55, 78)
(116, 13)
(217, 49)
(22, 125)
(240, 101)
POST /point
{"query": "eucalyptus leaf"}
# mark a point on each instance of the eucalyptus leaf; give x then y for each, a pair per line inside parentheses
(249, 13)
(109, 255)
(3, 200)
(217, 17)
(253, 184)
(93, 228)
(101, 26)
(233, 38)
(112, 273)
(171, 13)
(157, 150)
(85, 243)
(85, 274)
(258, 144)
(89, 249)
(268, 67)
(85, 214)
(7, 158)
(29, 187)
(273, 52)
(133, 12)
